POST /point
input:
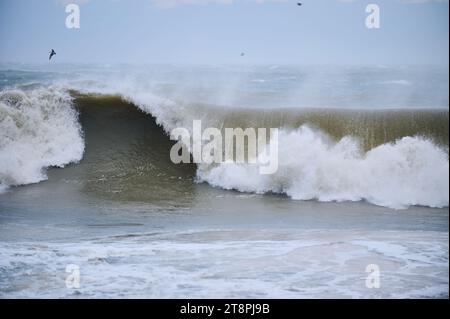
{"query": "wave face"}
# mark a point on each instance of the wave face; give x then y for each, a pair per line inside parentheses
(38, 129)
(331, 160)
(388, 157)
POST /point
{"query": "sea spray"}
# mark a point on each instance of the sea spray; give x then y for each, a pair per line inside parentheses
(392, 158)
(327, 161)
(409, 171)
(38, 129)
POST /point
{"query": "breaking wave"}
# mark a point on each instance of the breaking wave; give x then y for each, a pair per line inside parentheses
(392, 158)
(410, 171)
(38, 129)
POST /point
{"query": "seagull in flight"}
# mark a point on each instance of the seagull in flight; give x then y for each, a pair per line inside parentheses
(52, 53)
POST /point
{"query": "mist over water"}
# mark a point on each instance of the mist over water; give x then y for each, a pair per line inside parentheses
(86, 178)
(273, 86)
(364, 127)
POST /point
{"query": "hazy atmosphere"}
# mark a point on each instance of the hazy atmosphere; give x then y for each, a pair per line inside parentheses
(338, 110)
(218, 31)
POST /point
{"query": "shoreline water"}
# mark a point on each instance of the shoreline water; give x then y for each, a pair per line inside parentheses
(138, 225)
(232, 264)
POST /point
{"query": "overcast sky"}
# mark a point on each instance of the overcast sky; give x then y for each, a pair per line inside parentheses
(217, 31)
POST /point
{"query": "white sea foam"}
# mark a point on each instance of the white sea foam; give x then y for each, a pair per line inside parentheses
(411, 171)
(38, 129)
(232, 264)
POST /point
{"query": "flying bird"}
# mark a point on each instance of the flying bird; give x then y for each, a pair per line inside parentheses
(52, 53)
(242, 54)
(299, 4)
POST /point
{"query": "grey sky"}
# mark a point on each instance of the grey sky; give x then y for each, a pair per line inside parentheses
(217, 31)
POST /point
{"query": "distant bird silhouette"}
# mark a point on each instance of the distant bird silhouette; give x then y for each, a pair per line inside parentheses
(299, 4)
(242, 54)
(52, 53)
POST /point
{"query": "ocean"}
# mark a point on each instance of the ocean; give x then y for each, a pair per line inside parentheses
(86, 180)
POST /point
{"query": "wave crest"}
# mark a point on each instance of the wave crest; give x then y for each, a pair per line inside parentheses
(410, 171)
(394, 158)
(38, 129)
